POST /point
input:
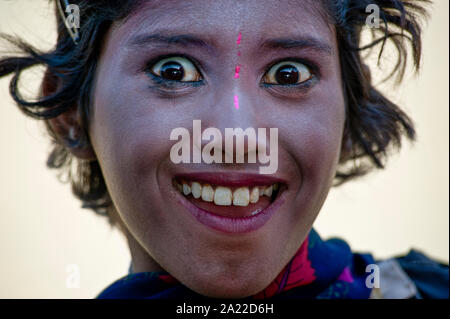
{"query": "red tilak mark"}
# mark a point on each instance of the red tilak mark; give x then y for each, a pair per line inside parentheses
(236, 73)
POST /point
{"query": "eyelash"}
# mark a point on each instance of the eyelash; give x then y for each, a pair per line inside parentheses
(174, 84)
(313, 68)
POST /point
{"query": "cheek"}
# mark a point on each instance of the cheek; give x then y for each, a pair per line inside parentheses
(315, 140)
(130, 137)
(320, 154)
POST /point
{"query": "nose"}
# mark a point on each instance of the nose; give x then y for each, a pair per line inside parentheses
(243, 131)
(234, 107)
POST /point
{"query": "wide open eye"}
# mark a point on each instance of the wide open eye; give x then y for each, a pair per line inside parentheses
(176, 68)
(287, 73)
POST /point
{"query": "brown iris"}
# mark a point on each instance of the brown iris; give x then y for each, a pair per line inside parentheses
(288, 74)
(172, 71)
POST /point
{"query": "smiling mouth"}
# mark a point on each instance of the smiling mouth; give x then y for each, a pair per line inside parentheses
(230, 197)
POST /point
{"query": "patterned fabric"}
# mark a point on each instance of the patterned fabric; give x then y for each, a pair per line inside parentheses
(429, 277)
(298, 272)
(320, 269)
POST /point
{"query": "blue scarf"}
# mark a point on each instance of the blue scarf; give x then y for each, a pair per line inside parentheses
(319, 270)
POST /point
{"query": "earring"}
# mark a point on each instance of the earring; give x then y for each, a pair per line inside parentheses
(72, 138)
(72, 134)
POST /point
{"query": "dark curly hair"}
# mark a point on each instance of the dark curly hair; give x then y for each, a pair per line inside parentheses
(374, 124)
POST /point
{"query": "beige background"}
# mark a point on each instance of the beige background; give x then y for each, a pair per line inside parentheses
(43, 230)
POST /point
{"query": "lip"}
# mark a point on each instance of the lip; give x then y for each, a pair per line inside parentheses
(232, 225)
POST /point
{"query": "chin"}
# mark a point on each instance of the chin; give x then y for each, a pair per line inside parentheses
(233, 284)
(231, 289)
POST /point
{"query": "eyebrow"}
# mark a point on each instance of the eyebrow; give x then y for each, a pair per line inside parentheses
(157, 38)
(298, 43)
(189, 40)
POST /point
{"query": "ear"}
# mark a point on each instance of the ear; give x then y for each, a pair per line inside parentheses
(66, 126)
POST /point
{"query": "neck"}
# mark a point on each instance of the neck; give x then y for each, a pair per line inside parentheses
(141, 259)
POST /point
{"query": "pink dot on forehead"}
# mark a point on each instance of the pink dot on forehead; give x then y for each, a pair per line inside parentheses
(236, 102)
(236, 73)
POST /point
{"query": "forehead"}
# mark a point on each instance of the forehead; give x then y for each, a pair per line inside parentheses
(219, 21)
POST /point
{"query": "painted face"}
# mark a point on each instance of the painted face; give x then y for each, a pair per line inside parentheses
(172, 62)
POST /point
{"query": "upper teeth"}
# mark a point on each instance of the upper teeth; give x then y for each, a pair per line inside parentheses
(241, 196)
(225, 196)
(222, 196)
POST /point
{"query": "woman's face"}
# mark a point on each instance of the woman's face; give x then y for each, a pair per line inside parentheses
(138, 102)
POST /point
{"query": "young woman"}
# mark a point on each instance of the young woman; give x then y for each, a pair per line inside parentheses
(118, 89)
